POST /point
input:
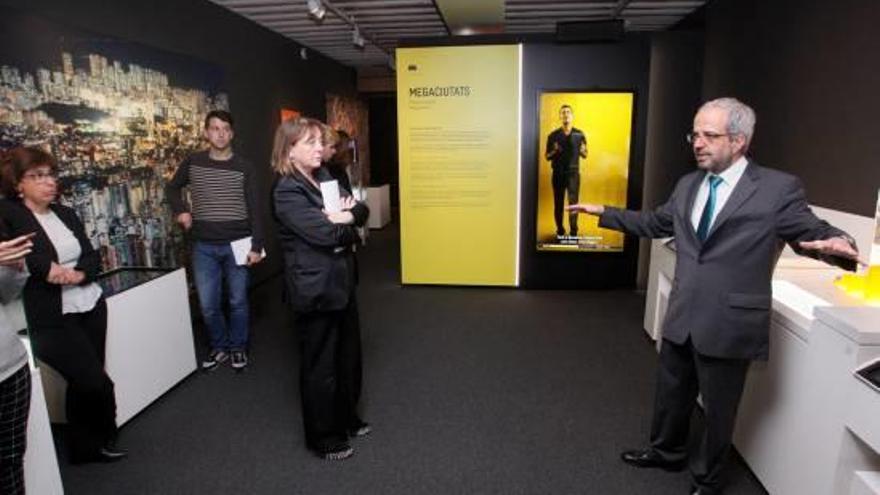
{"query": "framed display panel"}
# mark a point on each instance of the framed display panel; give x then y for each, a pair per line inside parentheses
(459, 142)
(584, 152)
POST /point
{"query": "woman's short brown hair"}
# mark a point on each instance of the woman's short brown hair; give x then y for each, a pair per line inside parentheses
(289, 133)
(16, 162)
(329, 135)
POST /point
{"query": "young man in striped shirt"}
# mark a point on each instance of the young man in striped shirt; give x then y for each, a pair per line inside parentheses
(225, 207)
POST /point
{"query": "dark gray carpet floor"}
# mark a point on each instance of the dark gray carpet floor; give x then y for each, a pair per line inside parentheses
(469, 390)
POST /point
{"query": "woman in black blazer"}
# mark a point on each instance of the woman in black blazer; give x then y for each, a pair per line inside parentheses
(320, 276)
(65, 311)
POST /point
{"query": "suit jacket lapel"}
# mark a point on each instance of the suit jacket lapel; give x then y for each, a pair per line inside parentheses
(744, 189)
(313, 192)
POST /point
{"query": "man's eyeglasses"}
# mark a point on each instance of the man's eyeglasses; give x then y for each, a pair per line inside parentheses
(40, 176)
(709, 137)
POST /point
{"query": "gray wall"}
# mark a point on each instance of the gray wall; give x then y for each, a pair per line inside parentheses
(811, 70)
(674, 95)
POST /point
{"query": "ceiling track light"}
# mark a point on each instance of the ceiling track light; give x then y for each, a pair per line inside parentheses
(317, 10)
(356, 38)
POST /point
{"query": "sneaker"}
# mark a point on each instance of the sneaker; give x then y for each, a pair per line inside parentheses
(239, 360)
(360, 429)
(338, 452)
(215, 357)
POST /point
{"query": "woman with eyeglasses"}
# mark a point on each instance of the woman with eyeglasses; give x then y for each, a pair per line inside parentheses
(64, 307)
(321, 275)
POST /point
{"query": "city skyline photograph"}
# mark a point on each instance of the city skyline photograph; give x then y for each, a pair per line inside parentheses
(118, 117)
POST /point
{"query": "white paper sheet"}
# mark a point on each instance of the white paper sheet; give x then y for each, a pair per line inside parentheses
(241, 248)
(330, 195)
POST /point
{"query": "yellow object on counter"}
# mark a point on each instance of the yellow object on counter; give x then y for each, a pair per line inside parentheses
(872, 285)
(864, 285)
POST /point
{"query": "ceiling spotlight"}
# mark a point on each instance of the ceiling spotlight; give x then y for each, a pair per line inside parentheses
(316, 9)
(356, 38)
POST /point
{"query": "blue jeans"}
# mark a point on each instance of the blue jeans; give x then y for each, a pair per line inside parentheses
(211, 264)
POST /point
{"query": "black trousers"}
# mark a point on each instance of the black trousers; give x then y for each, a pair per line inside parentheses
(330, 374)
(566, 181)
(76, 350)
(15, 402)
(682, 374)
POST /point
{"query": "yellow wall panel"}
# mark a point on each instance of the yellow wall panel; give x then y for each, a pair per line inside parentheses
(458, 128)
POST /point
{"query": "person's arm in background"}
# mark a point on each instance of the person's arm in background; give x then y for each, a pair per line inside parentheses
(174, 195)
(256, 213)
(552, 148)
(13, 271)
(359, 210)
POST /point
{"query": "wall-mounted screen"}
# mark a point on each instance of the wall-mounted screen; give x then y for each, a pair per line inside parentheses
(583, 157)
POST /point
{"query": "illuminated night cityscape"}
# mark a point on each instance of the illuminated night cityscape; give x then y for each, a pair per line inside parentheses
(118, 132)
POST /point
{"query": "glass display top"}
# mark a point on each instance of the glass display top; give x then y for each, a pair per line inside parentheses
(123, 279)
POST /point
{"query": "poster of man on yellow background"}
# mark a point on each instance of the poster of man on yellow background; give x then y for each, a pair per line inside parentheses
(583, 157)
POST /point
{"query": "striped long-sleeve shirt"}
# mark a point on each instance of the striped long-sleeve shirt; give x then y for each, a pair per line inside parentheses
(225, 199)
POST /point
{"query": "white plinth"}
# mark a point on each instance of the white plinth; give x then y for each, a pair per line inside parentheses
(866, 483)
(149, 346)
(379, 203)
(41, 474)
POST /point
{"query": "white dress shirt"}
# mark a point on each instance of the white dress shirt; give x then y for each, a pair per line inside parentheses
(74, 298)
(729, 179)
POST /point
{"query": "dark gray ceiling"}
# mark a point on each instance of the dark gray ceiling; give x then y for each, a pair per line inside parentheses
(385, 22)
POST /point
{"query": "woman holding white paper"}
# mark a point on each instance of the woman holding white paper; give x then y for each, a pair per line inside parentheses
(65, 309)
(320, 274)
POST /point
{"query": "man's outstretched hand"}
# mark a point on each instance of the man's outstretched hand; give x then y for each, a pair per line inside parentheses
(586, 208)
(834, 246)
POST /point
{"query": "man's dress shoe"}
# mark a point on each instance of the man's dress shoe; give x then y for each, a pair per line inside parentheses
(111, 454)
(647, 458)
(703, 491)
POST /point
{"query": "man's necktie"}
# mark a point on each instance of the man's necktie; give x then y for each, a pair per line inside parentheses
(709, 209)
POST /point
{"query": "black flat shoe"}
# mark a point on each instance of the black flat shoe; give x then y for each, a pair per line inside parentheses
(111, 454)
(703, 491)
(647, 458)
(106, 454)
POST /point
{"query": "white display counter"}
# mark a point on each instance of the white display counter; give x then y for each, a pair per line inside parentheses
(806, 425)
(149, 345)
(41, 473)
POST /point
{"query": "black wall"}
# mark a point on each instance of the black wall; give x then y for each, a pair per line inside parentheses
(384, 163)
(600, 66)
(811, 71)
(263, 71)
(674, 96)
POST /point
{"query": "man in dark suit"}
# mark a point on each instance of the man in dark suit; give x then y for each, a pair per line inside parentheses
(730, 219)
